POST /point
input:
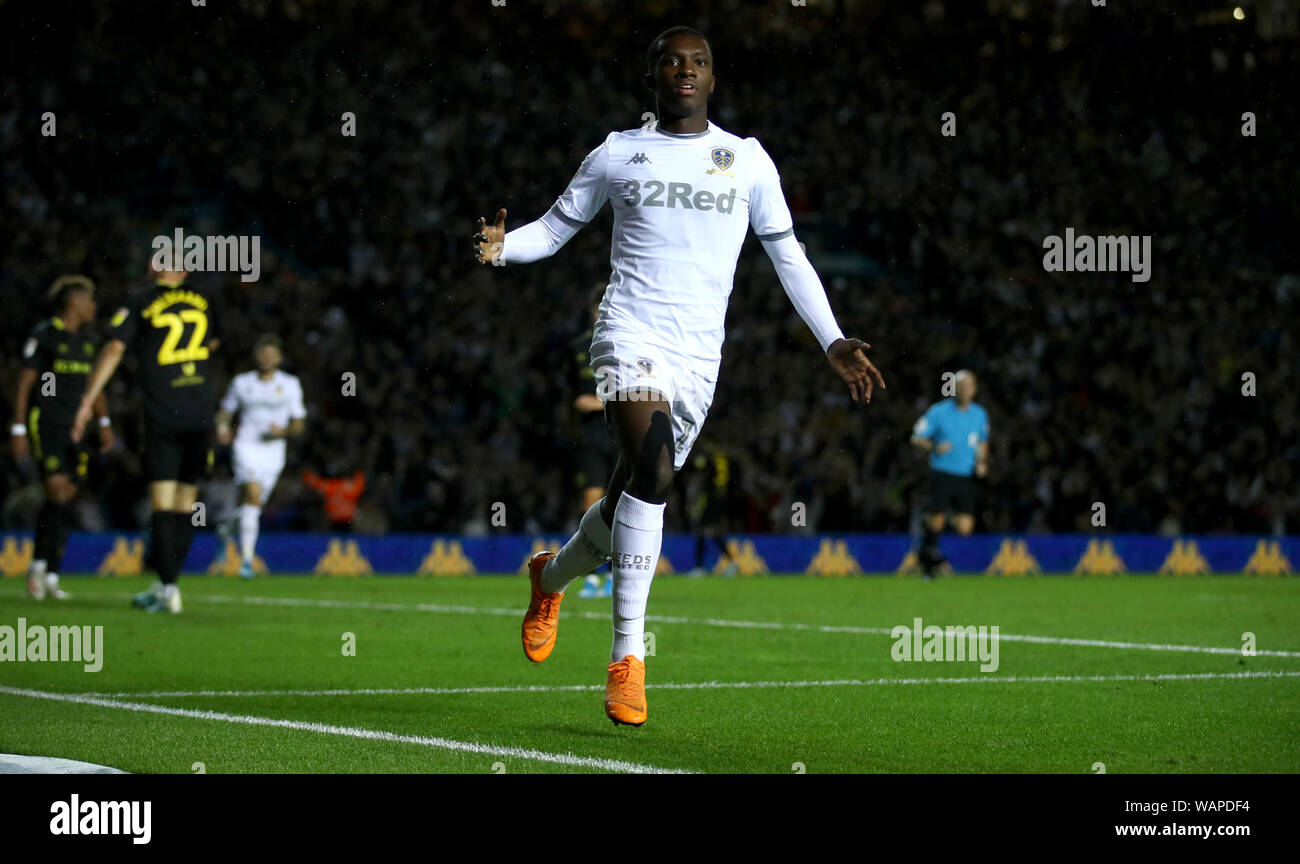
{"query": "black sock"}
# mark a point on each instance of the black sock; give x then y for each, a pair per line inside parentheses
(44, 532)
(162, 551)
(58, 537)
(930, 546)
(184, 537)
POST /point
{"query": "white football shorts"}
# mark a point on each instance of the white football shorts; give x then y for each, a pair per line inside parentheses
(627, 369)
(258, 464)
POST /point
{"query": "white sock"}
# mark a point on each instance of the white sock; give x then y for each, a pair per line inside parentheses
(637, 537)
(51, 580)
(37, 569)
(248, 522)
(586, 550)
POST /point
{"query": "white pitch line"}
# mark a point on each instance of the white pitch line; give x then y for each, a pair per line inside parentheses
(350, 732)
(694, 685)
(715, 622)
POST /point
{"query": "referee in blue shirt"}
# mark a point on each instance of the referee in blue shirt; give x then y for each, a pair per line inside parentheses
(955, 432)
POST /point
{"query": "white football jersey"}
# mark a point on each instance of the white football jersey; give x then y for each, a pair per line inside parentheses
(262, 404)
(682, 205)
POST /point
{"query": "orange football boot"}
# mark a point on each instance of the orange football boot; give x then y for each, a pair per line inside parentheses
(625, 692)
(542, 620)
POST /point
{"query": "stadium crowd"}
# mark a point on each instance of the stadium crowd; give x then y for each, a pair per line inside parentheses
(1099, 389)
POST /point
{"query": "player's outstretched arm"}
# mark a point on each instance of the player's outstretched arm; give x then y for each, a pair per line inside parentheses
(539, 239)
(543, 237)
(848, 357)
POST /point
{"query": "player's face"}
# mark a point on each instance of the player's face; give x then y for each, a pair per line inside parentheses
(268, 358)
(82, 304)
(967, 388)
(683, 79)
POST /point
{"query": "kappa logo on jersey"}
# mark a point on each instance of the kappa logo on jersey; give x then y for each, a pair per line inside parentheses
(723, 158)
(638, 159)
(684, 195)
(645, 366)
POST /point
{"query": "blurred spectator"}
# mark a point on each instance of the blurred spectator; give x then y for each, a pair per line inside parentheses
(341, 495)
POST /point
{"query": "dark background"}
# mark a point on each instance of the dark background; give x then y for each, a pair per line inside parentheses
(1124, 119)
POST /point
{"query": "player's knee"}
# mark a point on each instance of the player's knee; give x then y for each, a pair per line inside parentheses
(653, 475)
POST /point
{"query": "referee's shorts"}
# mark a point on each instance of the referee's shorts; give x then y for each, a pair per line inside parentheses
(951, 493)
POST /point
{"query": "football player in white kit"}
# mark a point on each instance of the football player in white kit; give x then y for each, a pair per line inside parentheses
(684, 192)
(269, 403)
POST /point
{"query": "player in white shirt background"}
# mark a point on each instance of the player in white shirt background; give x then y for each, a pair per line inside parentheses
(684, 193)
(270, 407)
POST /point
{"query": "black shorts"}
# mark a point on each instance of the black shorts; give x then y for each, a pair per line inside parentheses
(183, 455)
(53, 450)
(951, 493)
(597, 453)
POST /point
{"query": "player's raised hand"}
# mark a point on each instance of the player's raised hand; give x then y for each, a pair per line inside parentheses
(490, 239)
(848, 357)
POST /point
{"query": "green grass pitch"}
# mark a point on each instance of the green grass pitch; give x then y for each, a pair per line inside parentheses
(774, 675)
